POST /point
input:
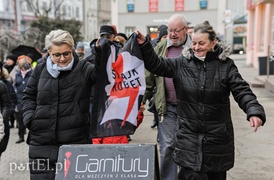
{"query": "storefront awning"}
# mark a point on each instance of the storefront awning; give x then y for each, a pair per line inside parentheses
(241, 20)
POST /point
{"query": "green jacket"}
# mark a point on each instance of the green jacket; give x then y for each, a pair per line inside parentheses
(153, 80)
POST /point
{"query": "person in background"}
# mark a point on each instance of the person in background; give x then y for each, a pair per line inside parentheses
(190, 30)
(4, 77)
(106, 31)
(56, 104)
(21, 80)
(44, 52)
(109, 32)
(5, 113)
(10, 62)
(121, 38)
(165, 95)
(80, 50)
(204, 78)
(10, 66)
(162, 35)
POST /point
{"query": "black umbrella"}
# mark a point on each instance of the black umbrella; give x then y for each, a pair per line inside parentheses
(28, 51)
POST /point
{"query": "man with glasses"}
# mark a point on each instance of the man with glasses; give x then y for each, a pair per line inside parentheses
(165, 96)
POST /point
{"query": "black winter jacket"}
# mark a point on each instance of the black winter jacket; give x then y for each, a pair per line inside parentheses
(20, 85)
(205, 138)
(5, 102)
(5, 105)
(56, 110)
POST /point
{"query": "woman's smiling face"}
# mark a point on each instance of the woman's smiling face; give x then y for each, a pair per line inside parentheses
(201, 44)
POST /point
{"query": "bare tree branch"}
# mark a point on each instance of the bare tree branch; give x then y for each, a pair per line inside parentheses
(34, 7)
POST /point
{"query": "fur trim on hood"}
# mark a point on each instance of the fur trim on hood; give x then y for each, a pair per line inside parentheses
(221, 48)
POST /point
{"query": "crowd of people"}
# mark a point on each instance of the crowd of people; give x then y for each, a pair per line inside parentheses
(189, 78)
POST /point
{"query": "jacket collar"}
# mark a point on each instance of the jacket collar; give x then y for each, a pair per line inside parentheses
(221, 51)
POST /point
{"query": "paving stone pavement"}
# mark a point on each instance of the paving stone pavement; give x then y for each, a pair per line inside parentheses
(254, 151)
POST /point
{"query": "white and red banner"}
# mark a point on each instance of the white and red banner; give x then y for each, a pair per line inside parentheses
(120, 88)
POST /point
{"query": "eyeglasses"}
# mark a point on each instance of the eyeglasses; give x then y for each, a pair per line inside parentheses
(64, 54)
(175, 31)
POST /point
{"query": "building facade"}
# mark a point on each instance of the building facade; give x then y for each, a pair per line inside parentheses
(147, 15)
(96, 13)
(18, 14)
(260, 30)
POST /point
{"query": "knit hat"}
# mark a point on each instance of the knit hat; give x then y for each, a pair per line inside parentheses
(105, 29)
(12, 57)
(162, 29)
(80, 45)
(122, 35)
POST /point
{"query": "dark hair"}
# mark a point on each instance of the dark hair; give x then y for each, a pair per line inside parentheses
(205, 27)
(122, 35)
(12, 57)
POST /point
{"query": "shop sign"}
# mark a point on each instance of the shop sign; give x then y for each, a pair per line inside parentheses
(153, 5)
(108, 162)
(179, 5)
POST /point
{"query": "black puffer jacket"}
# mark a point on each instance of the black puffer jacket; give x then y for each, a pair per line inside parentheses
(56, 110)
(5, 105)
(205, 139)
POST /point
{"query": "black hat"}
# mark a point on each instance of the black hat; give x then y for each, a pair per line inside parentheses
(105, 29)
(162, 26)
(162, 31)
(12, 57)
(122, 35)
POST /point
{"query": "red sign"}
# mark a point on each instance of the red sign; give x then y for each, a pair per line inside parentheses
(153, 5)
(179, 5)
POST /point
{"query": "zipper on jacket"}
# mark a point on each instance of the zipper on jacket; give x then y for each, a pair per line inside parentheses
(204, 66)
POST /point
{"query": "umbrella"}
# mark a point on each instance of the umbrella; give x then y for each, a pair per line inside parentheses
(28, 51)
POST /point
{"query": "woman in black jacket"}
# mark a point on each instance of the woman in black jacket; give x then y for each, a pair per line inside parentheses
(204, 76)
(56, 104)
(4, 76)
(5, 107)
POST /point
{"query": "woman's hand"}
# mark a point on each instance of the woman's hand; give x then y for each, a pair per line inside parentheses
(140, 37)
(255, 122)
(97, 43)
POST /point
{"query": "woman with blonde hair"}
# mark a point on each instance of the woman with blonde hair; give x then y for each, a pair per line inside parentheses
(56, 103)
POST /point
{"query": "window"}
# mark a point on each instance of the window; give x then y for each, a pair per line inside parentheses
(77, 14)
(129, 30)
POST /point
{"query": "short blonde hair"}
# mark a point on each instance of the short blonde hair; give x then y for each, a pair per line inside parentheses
(57, 38)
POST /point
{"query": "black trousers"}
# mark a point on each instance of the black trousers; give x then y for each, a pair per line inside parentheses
(12, 119)
(21, 126)
(189, 174)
